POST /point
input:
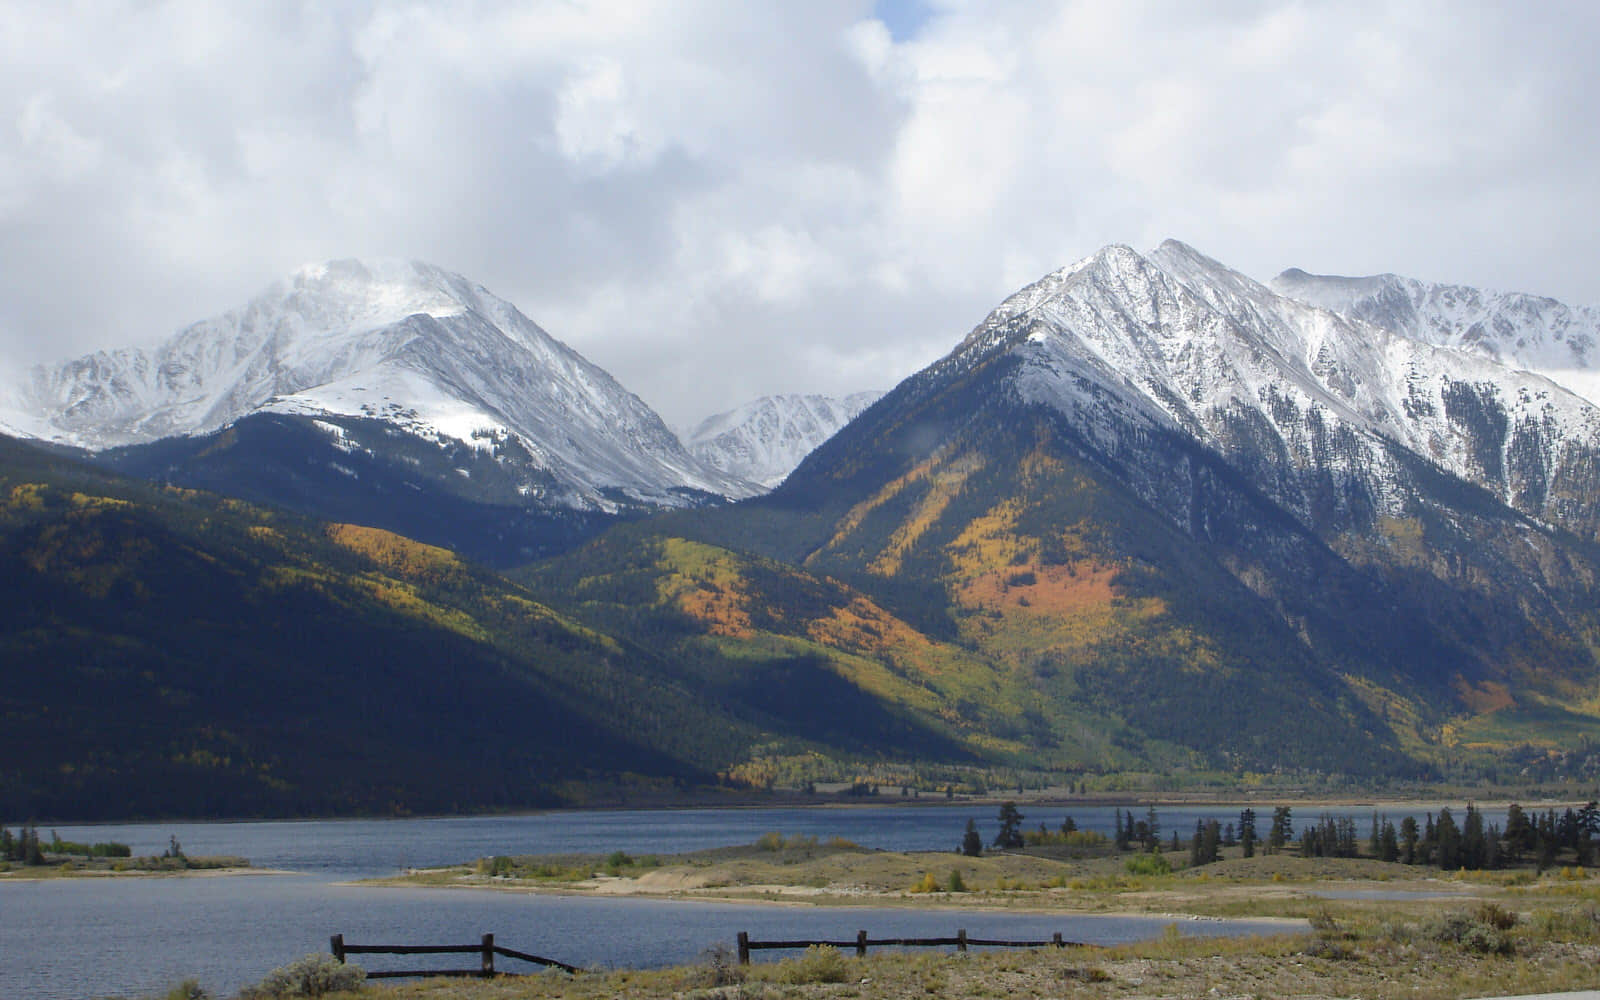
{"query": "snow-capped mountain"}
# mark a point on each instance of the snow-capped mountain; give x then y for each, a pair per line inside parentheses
(413, 346)
(1530, 332)
(1319, 410)
(1152, 487)
(763, 440)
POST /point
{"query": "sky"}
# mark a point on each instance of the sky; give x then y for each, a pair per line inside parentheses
(719, 199)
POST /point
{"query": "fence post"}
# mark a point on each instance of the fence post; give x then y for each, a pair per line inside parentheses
(1055, 939)
(337, 944)
(488, 956)
(961, 939)
(744, 947)
(861, 944)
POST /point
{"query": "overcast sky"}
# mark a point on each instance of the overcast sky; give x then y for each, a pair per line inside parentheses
(717, 200)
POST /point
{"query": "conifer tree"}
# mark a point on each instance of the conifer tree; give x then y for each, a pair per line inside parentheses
(1247, 832)
(1448, 837)
(1388, 844)
(1010, 835)
(1520, 835)
(1282, 828)
(972, 840)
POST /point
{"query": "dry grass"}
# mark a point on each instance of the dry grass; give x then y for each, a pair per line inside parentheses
(1449, 936)
(1345, 958)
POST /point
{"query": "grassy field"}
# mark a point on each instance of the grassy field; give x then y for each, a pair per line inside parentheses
(1352, 927)
(78, 867)
(1537, 943)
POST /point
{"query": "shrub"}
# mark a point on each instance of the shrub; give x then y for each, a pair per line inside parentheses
(770, 842)
(189, 989)
(1482, 931)
(722, 967)
(616, 861)
(957, 883)
(927, 884)
(314, 975)
(1148, 864)
(820, 964)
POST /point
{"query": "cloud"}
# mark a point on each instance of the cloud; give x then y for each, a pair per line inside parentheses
(718, 199)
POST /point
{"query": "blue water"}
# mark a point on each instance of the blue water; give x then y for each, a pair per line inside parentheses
(132, 937)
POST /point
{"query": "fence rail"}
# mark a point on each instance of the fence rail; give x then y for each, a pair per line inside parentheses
(486, 950)
(961, 942)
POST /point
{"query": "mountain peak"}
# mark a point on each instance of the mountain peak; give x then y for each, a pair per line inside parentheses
(763, 440)
(1530, 332)
(401, 341)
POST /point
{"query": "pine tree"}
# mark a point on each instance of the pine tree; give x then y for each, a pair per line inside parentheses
(1010, 835)
(1247, 832)
(1449, 840)
(972, 840)
(1388, 844)
(1408, 840)
(1520, 835)
(1282, 828)
(1210, 842)
(1473, 840)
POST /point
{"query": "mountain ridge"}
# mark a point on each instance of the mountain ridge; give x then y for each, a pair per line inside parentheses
(763, 440)
(401, 341)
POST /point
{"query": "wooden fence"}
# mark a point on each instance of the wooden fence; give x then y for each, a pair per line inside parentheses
(486, 951)
(961, 942)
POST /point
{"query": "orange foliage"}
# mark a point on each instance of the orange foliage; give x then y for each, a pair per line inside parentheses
(852, 520)
(1046, 590)
(946, 484)
(1488, 696)
(863, 627)
(393, 552)
(721, 609)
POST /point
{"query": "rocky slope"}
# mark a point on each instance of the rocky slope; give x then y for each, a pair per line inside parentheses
(1530, 332)
(420, 349)
(763, 440)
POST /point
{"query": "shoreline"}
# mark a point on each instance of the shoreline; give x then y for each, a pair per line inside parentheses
(1230, 800)
(56, 875)
(849, 901)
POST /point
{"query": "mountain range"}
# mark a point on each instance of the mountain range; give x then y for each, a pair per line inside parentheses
(1150, 514)
(401, 395)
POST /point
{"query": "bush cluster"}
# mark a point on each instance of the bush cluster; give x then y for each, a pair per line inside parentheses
(312, 976)
(820, 964)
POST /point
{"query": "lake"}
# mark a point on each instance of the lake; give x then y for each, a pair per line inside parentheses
(73, 938)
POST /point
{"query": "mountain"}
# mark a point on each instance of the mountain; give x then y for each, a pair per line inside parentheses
(763, 440)
(1151, 492)
(1530, 332)
(165, 652)
(379, 391)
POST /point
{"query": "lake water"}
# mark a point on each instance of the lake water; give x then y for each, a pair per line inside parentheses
(74, 938)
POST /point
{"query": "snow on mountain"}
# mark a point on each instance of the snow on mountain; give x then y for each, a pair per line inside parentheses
(1537, 334)
(402, 342)
(763, 440)
(1311, 405)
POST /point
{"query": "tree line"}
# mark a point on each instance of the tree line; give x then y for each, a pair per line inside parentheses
(25, 847)
(1439, 840)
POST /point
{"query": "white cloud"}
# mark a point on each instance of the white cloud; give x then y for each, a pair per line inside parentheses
(715, 199)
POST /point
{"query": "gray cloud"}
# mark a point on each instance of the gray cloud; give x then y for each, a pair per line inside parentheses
(719, 199)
